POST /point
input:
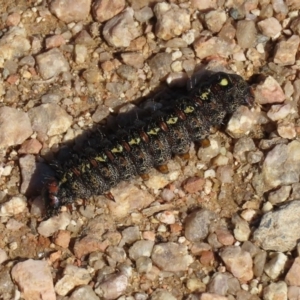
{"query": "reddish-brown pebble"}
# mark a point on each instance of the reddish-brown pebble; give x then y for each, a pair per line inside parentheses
(88, 245)
(198, 247)
(149, 235)
(208, 296)
(54, 41)
(225, 237)
(292, 277)
(194, 184)
(62, 238)
(175, 228)
(104, 10)
(13, 19)
(55, 256)
(32, 146)
(12, 79)
(207, 258)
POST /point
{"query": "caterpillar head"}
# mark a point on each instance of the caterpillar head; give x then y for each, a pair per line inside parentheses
(51, 198)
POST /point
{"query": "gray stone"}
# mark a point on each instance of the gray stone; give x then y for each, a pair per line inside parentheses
(15, 127)
(219, 283)
(280, 230)
(13, 44)
(211, 47)
(215, 20)
(143, 15)
(28, 167)
(280, 195)
(259, 263)
(141, 248)
(13, 206)
(117, 254)
(246, 33)
(282, 165)
(172, 20)
(48, 227)
(275, 290)
(73, 276)
(84, 293)
(130, 235)
(285, 51)
(51, 63)
(162, 295)
(241, 230)
(113, 287)
(128, 198)
(276, 265)
(242, 122)
(242, 147)
(160, 65)
(171, 257)
(197, 224)
(121, 30)
(49, 119)
(143, 264)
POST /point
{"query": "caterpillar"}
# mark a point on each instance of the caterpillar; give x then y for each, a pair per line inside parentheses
(147, 142)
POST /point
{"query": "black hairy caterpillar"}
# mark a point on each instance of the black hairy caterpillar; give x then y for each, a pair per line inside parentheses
(147, 143)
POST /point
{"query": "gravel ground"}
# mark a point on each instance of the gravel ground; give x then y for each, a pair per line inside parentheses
(224, 224)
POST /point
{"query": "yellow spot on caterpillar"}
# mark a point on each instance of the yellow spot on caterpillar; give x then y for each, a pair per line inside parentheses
(84, 167)
(63, 180)
(223, 82)
(205, 95)
(172, 121)
(189, 109)
(118, 149)
(100, 158)
(134, 141)
(153, 131)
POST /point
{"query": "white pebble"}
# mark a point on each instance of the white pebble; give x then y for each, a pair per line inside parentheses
(14, 206)
(209, 173)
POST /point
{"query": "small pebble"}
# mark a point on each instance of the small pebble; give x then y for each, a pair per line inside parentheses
(72, 277)
(275, 290)
(171, 20)
(121, 30)
(113, 287)
(14, 206)
(269, 92)
(15, 127)
(278, 230)
(140, 249)
(62, 238)
(197, 224)
(276, 265)
(238, 262)
(51, 63)
(171, 257)
(32, 286)
(104, 10)
(292, 277)
(270, 27)
(166, 217)
(285, 51)
(70, 10)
